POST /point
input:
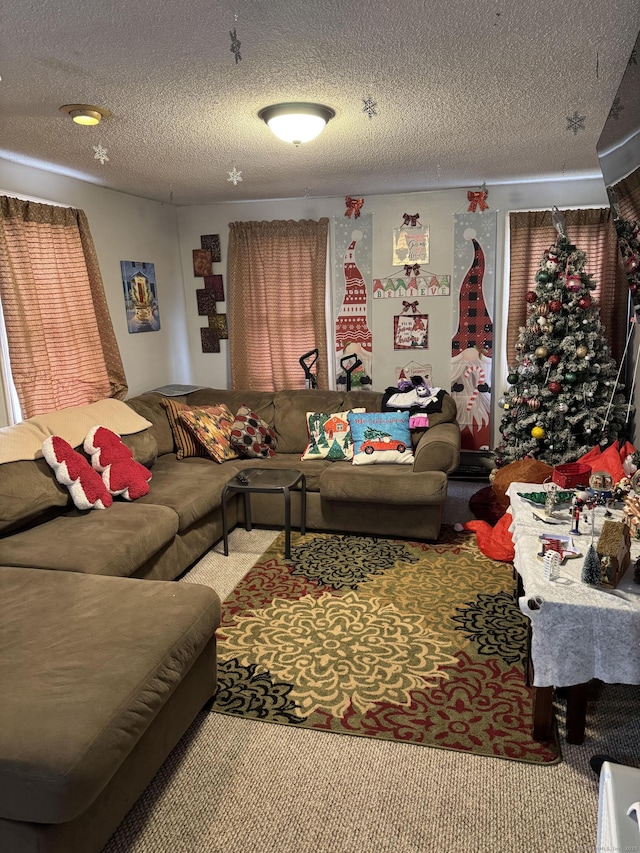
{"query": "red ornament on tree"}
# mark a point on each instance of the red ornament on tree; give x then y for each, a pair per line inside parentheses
(530, 297)
(554, 360)
(584, 302)
(555, 387)
(555, 305)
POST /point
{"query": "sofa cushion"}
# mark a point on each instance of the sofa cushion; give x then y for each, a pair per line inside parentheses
(382, 484)
(91, 661)
(191, 487)
(28, 489)
(150, 406)
(211, 427)
(381, 438)
(117, 541)
(143, 446)
(290, 416)
(252, 437)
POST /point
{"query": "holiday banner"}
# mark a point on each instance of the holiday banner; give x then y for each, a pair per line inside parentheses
(474, 266)
(411, 284)
(352, 264)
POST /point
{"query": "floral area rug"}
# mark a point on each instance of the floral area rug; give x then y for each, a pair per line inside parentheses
(407, 641)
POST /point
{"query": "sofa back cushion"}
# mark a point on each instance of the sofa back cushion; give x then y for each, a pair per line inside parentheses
(290, 416)
(28, 489)
(150, 407)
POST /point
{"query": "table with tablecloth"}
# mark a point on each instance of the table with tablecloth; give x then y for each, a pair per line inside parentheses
(578, 632)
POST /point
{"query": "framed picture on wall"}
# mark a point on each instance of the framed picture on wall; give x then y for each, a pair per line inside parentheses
(411, 245)
(411, 331)
(140, 296)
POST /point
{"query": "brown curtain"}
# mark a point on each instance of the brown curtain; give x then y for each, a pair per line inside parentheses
(276, 302)
(628, 196)
(62, 347)
(593, 232)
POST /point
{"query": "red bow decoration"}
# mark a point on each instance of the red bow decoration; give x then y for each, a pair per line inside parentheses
(408, 269)
(410, 306)
(410, 220)
(477, 199)
(353, 206)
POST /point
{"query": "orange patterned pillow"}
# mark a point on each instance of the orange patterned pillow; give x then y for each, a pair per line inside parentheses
(211, 427)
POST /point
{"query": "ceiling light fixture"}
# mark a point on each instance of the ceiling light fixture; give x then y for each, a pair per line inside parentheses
(85, 114)
(296, 123)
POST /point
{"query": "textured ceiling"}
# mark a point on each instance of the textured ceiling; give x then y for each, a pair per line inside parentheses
(465, 92)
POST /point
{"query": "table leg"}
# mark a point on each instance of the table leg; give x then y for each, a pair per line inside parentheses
(542, 713)
(225, 531)
(247, 511)
(303, 504)
(576, 712)
(287, 523)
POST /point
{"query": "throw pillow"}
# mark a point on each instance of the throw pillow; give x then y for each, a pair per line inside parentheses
(251, 436)
(381, 438)
(121, 474)
(186, 444)
(329, 435)
(72, 470)
(211, 427)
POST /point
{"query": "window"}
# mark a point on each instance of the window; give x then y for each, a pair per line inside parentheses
(277, 284)
(60, 342)
(590, 230)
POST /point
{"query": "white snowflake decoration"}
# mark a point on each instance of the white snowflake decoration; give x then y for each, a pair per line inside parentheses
(575, 123)
(370, 107)
(234, 176)
(100, 153)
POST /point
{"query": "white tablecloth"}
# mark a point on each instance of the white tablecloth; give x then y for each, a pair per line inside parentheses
(579, 632)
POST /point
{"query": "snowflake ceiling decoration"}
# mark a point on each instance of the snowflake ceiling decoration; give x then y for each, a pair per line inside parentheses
(235, 43)
(234, 176)
(370, 107)
(100, 153)
(616, 108)
(575, 123)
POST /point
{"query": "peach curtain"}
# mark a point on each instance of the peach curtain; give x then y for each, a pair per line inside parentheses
(276, 302)
(62, 347)
(590, 230)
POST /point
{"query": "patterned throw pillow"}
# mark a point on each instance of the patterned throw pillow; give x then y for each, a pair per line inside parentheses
(381, 438)
(186, 444)
(211, 427)
(329, 436)
(251, 436)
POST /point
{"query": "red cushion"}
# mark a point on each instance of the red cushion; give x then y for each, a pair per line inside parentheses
(72, 470)
(121, 474)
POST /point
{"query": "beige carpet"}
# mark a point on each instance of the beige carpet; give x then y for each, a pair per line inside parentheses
(237, 786)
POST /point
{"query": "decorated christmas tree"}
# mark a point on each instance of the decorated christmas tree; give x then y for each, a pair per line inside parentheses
(563, 396)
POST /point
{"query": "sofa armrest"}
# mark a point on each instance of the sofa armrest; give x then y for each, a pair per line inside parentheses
(438, 449)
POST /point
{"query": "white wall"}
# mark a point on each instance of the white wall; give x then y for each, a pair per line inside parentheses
(124, 228)
(436, 210)
(129, 228)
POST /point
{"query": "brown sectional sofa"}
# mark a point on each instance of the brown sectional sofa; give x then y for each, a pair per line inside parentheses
(89, 722)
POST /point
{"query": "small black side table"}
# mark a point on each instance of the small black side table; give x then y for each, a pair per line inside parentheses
(266, 480)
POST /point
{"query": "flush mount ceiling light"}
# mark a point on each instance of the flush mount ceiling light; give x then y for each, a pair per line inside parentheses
(296, 123)
(85, 114)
